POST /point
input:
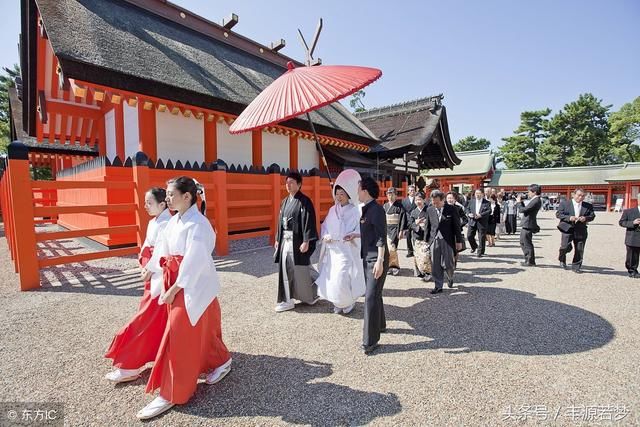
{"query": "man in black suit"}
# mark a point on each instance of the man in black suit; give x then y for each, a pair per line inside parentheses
(444, 236)
(478, 212)
(409, 204)
(529, 223)
(574, 216)
(630, 220)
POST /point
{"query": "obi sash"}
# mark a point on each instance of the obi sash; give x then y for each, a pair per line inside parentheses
(170, 267)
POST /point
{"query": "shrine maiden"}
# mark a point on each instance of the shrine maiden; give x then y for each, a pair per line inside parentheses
(192, 342)
(137, 343)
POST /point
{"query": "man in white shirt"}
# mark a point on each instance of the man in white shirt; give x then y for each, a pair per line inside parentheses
(574, 216)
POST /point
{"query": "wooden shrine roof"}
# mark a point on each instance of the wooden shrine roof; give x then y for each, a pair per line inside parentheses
(147, 47)
(418, 128)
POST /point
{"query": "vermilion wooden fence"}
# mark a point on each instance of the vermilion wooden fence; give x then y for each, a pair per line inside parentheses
(104, 201)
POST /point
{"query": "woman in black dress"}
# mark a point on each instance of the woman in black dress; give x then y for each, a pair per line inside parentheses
(494, 219)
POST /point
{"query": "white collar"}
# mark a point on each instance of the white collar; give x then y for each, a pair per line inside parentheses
(165, 214)
(193, 210)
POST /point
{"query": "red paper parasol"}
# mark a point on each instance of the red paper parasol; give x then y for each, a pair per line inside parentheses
(301, 90)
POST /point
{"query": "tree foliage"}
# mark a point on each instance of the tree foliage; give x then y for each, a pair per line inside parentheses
(356, 102)
(7, 80)
(583, 133)
(471, 143)
(624, 131)
(520, 151)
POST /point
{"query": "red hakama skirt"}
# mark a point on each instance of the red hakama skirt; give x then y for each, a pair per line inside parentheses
(186, 351)
(137, 343)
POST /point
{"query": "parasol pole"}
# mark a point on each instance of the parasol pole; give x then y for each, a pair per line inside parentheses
(319, 148)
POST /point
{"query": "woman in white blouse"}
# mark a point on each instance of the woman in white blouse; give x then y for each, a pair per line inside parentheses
(137, 343)
(192, 342)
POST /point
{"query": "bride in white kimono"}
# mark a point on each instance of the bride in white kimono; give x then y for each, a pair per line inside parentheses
(341, 279)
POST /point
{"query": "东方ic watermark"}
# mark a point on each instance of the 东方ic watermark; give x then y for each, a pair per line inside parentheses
(31, 414)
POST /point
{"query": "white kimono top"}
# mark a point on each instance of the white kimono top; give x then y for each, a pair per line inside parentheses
(191, 236)
(155, 228)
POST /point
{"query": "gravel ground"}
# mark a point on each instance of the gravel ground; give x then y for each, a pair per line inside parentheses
(506, 338)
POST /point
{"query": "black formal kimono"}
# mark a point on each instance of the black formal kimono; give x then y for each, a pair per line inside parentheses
(296, 224)
(373, 235)
(396, 223)
(632, 239)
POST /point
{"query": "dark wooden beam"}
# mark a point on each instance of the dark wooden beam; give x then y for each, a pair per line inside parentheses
(230, 21)
(276, 46)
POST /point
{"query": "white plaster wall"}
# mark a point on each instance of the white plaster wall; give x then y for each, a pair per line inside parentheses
(234, 149)
(131, 131)
(275, 149)
(307, 154)
(110, 132)
(179, 138)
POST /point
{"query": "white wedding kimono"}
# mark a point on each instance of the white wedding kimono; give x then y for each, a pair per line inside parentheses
(192, 237)
(341, 279)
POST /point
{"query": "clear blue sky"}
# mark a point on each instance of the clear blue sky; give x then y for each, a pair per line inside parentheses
(492, 59)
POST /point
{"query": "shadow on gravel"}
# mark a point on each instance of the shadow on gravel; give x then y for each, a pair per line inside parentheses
(289, 389)
(498, 320)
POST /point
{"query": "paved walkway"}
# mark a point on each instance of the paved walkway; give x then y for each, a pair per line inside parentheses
(506, 342)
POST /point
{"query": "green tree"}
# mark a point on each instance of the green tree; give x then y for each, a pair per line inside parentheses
(356, 101)
(471, 143)
(6, 81)
(521, 151)
(625, 131)
(579, 135)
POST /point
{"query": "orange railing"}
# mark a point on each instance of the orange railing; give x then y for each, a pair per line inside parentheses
(105, 202)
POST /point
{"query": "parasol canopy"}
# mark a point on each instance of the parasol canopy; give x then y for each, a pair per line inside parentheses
(301, 90)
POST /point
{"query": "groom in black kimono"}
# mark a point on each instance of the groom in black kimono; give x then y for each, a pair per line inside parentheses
(296, 238)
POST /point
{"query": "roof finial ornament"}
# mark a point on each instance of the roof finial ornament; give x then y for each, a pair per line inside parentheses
(309, 51)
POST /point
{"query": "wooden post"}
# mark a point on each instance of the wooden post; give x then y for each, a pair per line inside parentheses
(315, 194)
(293, 152)
(22, 203)
(222, 215)
(147, 132)
(141, 185)
(119, 124)
(609, 198)
(256, 148)
(276, 185)
(210, 140)
(405, 188)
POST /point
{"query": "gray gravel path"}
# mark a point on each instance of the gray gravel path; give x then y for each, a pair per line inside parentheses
(503, 339)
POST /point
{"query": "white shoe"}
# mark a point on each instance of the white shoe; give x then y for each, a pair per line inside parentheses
(219, 373)
(155, 408)
(426, 278)
(348, 309)
(284, 306)
(337, 310)
(124, 375)
(395, 271)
